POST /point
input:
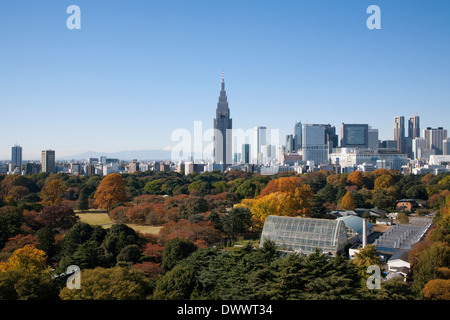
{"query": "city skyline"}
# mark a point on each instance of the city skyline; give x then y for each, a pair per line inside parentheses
(361, 136)
(129, 87)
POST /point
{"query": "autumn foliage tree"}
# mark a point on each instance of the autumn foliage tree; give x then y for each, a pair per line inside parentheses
(438, 289)
(52, 193)
(347, 201)
(57, 217)
(384, 181)
(201, 233)
(25, 276)
(110, 191)
(287, 184)
(287, 197)
(27, 258)
(355, 178)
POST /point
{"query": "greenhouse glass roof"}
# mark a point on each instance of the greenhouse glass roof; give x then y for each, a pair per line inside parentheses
(305, 235)
(403, 236)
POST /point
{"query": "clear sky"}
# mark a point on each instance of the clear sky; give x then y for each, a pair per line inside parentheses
(139, 69)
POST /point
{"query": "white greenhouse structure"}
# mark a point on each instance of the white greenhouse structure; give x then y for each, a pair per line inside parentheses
(305, 235)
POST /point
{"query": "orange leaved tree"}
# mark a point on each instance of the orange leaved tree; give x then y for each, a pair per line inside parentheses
(53, 192)
(110, 191)
(355, 178)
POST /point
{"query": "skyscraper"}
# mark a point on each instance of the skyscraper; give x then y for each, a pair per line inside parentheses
(48, 161)
(413, 132)
(435, 137)
(331, 137)
(290, 143)
(413, 127)
(355, 135)
(373, 138)
(418, 144)
(399, 132)
(222, 129)
(314, 144)
(298, 136)
(245, 155)
(446, 147)
(260, 139)
(16, 157)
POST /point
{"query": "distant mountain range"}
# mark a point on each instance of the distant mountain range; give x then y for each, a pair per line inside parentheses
(140, 155)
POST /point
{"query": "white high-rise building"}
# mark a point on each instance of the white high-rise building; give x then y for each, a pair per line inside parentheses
(434, 137)
(446, 147)
(418, 144)
(260, 139)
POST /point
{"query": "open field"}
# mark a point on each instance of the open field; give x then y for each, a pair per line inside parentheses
(95, 218)
(101, 218)
(146, 229)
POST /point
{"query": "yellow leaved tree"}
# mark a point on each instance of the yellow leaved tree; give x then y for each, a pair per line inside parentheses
(347, 202)
(287, 197)
(27, 259)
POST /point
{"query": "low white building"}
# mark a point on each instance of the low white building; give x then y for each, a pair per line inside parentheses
(351, 158)
(398, 261)
(399, 264)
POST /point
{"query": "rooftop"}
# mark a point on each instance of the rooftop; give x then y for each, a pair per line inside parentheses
(403, 236)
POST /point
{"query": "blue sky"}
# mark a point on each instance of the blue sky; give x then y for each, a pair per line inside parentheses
(138, 70)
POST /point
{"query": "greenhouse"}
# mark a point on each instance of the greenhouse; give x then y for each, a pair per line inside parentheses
(403, 236)
(305, 235)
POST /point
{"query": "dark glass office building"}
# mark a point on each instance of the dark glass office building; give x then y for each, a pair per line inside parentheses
(355, 135)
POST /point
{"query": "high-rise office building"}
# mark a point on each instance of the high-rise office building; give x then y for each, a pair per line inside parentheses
(48, 161)
(399, 132)
(16, 157)
(314, 144)
(413, 132)
(245, 155)
(260, 139)
(297, 136)
(222, 129)
(446, 147)
(418, 145)
(373, 138)
(434, 137)
(355, 135)
(413, 127)
(290, 143)
(331, 137)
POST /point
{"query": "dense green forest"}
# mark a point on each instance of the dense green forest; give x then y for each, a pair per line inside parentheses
(202, 218)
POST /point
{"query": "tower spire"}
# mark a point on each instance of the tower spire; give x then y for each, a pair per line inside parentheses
(223, 80)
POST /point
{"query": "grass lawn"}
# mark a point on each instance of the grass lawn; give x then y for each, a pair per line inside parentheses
(146, 229)
(102, 219)
(95, 218)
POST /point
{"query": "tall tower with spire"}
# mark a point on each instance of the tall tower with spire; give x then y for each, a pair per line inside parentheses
(222, 129)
